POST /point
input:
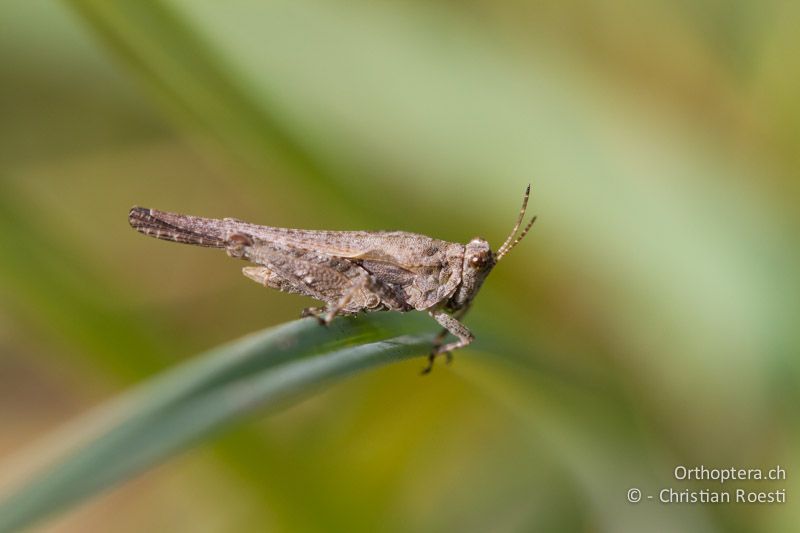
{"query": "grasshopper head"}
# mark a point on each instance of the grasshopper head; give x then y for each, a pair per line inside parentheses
(479, 259)
(478, 262)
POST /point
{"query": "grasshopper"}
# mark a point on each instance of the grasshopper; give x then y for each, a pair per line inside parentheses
(351, 271)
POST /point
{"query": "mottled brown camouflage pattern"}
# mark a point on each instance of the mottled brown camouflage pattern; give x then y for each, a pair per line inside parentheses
(350, 271)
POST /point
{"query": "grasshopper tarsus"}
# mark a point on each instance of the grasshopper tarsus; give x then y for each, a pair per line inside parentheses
(432, 359)
(427, 370)
(315, 312)
(309, 311)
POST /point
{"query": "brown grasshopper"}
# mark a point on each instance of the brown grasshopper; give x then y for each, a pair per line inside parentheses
(351, 271)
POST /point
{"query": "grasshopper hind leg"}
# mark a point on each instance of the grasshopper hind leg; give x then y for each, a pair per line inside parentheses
(355, 290)
(268, 278)
(324, 315)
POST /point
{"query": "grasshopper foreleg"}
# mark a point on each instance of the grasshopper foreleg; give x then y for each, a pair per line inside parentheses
(452, 325)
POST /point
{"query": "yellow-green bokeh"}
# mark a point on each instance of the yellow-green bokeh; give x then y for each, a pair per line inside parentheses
(649, 320)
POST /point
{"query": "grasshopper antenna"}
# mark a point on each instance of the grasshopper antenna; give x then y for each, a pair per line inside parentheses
(508, 244)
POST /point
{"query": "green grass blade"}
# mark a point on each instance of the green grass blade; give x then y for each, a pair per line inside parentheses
(269, 369)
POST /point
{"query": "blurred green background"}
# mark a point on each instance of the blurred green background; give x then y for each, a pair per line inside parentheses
(649, 320)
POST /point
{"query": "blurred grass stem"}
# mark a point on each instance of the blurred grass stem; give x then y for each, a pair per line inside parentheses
(265, 370)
